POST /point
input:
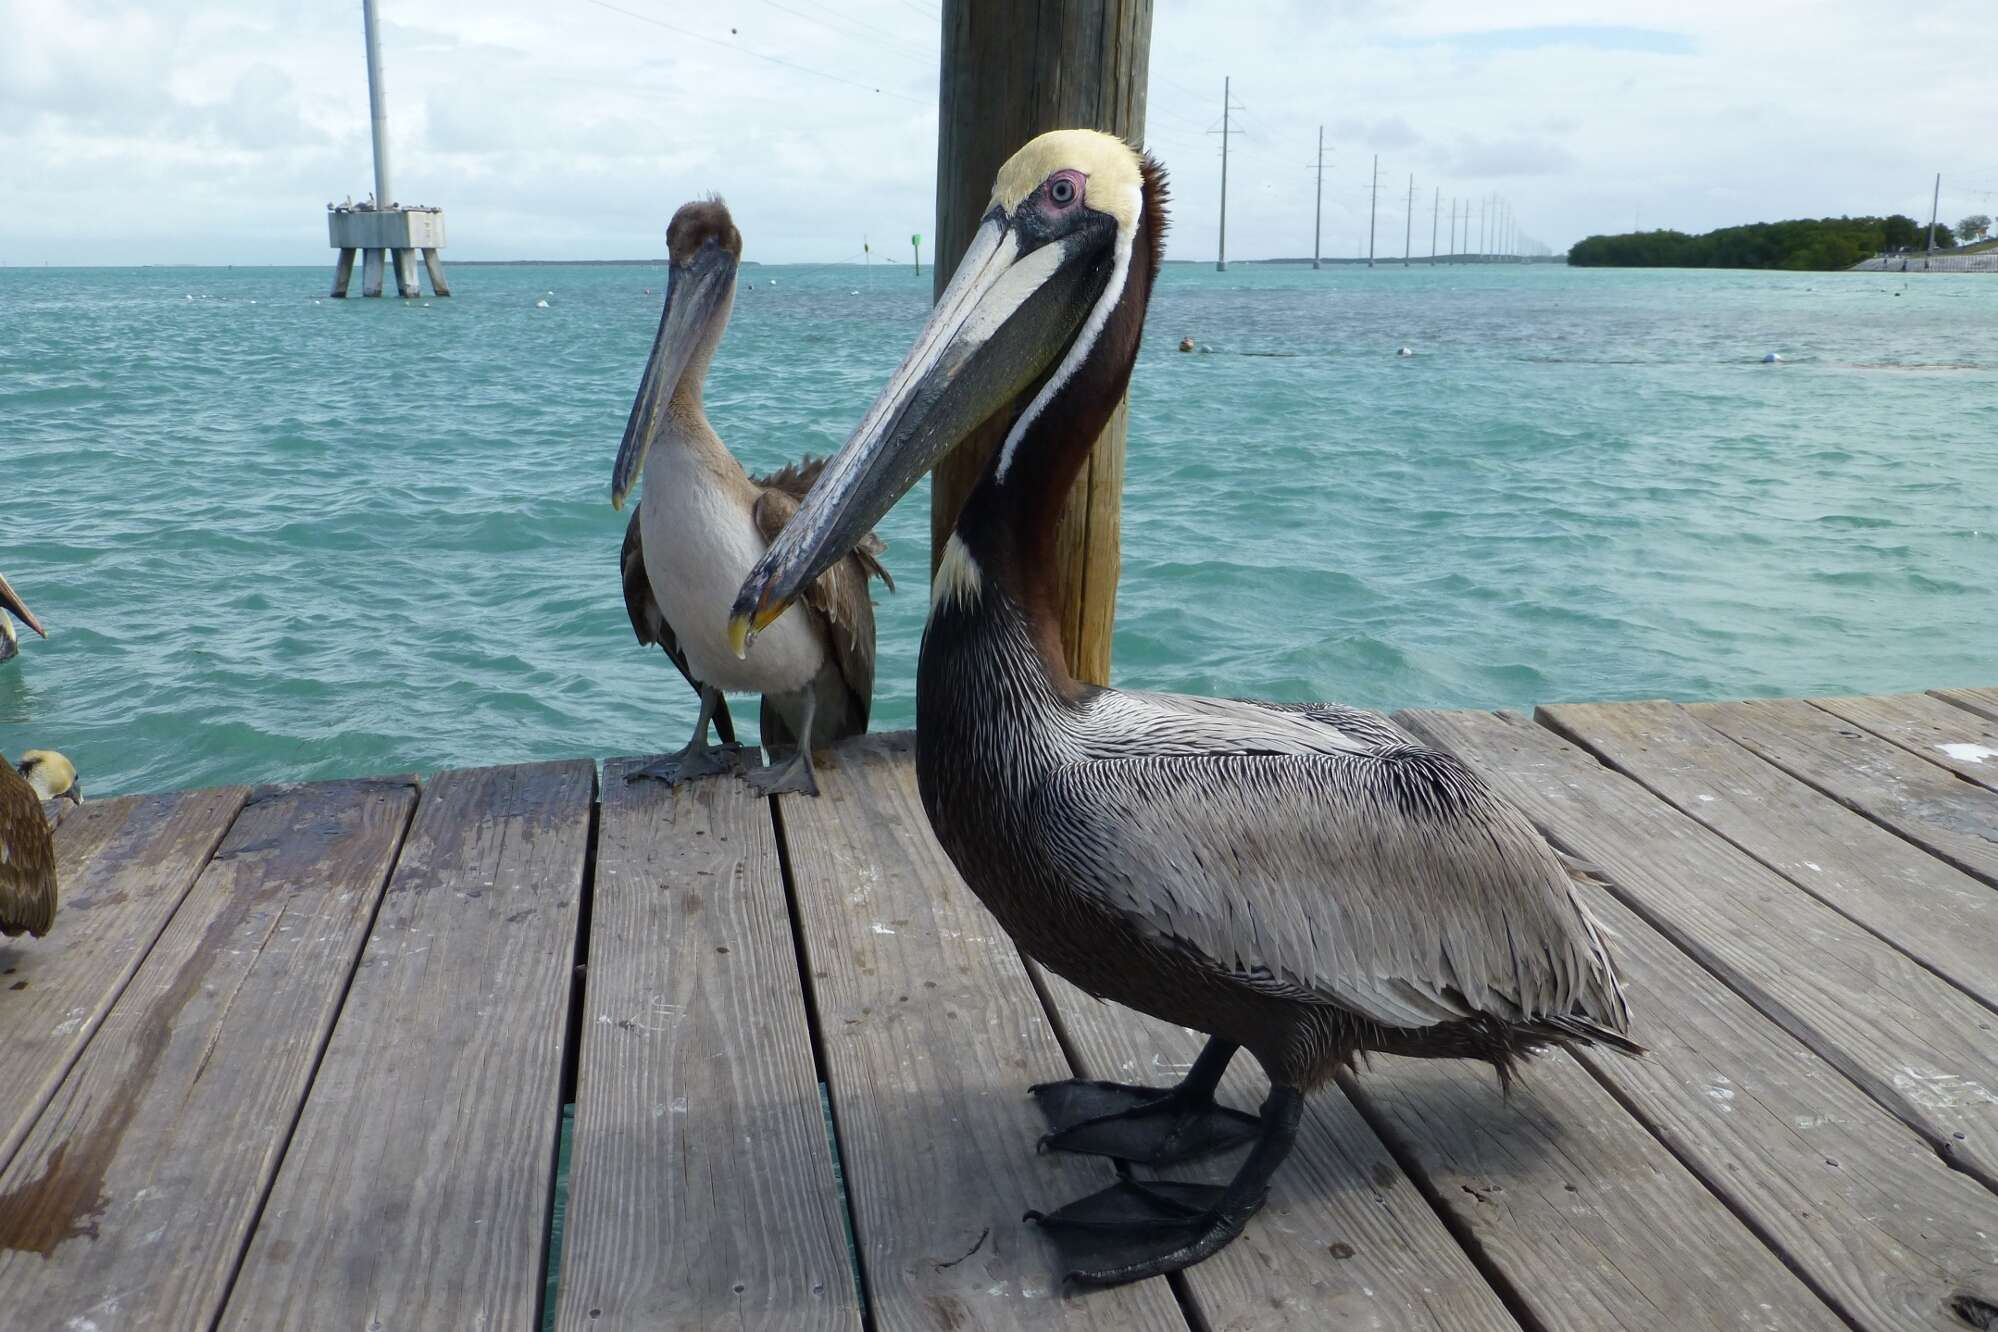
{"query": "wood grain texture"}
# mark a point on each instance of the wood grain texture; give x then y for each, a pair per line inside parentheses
(1983, 702)
(1010, 72)
(932, 1034)
(1915, 1044)
(1944, 918)
(1588, 1215)
(1345, 1239)
(122, 867)
(701, 1182)
(1930, 728)
(1860, 1207)
(415, 1191)
(1930, 806)
(130, 1202)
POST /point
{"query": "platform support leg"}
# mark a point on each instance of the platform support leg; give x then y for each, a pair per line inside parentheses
(343, 271)
(371, 273)
(435, 267)
(405, 274)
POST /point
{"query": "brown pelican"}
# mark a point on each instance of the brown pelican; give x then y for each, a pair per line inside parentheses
(703, 522)
(27, 847)
(1306, 882)
(12, 606)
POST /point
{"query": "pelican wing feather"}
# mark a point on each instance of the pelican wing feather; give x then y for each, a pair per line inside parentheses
(1352, 867)
(839, 595)
(27, 858)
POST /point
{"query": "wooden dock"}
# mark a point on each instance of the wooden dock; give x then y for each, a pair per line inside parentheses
(299, 1056)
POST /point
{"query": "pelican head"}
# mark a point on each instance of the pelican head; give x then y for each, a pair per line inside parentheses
(11, 604)
(52, 776)
(1023, 312)
(702, 250)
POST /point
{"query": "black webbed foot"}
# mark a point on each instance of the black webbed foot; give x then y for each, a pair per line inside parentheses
(1148, 1125)
(1136, 1229)
(794, 778)
(690, 765)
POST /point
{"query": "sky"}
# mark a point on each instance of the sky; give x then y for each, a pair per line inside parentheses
(215, 131)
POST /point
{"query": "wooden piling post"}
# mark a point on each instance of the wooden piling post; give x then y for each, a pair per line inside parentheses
(1010, 72)
(343, 271)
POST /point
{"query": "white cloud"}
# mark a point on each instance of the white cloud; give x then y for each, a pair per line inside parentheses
(215, 130)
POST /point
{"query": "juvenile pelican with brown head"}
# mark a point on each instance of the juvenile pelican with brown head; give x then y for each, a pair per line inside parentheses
(702, 522)
(1306, 881)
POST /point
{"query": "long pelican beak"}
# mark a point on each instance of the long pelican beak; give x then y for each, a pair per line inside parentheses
(1011, 309)
(10, 600)
(695, 294)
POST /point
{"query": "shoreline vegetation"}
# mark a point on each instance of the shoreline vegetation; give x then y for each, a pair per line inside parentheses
(1826, 244)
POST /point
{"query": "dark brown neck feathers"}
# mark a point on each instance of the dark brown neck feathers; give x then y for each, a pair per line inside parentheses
(1011, 526)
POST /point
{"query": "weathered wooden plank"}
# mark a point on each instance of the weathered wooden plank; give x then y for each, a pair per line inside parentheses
(1960, 740)
(1946, 919)
(932, 1034)
(701, 1182)
(122, 866)
(1862, 1209)
(1394, 1265)
(1912, 1041)
(131, 1200)
(415, 1190)
(1930, 806)
(1591, 1219)
(1983, 702)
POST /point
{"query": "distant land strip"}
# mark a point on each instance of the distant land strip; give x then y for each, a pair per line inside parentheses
(1824, 244)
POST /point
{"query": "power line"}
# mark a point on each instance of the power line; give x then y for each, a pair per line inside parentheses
(744, 50)
(854, 28)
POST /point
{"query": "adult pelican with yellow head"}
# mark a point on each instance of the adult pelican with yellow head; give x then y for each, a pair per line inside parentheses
(1307, 882)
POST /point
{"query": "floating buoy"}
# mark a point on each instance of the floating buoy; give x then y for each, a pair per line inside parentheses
(541, 305)
(1404, 351)
(1186, 344)
(1771, 358)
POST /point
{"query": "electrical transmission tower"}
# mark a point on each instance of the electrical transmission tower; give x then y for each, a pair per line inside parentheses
(1373, 209)
(1318, 216)
(1227, 105)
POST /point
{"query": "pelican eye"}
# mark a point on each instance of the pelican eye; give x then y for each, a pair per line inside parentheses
(1062, 190)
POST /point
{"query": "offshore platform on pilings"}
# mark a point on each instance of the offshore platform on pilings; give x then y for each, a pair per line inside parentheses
(389, 234)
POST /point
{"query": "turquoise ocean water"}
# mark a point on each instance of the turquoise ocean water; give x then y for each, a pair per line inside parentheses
(278, 536)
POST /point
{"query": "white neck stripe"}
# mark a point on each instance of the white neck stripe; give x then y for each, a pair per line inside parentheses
(1085, 341)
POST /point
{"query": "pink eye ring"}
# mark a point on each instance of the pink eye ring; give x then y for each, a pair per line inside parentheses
(1062, 190)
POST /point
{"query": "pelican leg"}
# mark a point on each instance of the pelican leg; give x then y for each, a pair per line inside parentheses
(1140, 1228)
(699, 758)
(1148, 1125)
(797, 776)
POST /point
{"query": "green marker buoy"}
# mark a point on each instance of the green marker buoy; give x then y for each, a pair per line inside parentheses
(916, 248)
